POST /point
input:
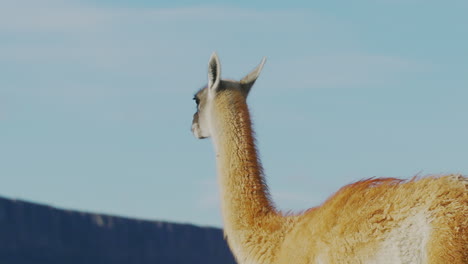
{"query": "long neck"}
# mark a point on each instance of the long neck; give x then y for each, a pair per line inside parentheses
(248, 214)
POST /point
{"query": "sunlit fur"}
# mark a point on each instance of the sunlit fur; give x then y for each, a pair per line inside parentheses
(422, 220)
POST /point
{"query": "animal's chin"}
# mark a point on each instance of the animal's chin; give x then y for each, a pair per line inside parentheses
(197, 131)
(197, 135)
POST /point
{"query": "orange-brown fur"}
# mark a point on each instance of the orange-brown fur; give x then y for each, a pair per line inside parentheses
(251, 222)
(349, 226)
(355, 225)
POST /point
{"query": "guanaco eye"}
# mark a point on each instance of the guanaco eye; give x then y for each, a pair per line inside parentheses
(196, 100)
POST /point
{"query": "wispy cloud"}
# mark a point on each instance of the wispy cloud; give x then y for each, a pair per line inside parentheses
(60, 15)
(80, 51)
(49, 16)
(117, 38)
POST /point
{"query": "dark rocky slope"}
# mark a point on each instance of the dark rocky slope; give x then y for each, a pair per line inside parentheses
(38, 234)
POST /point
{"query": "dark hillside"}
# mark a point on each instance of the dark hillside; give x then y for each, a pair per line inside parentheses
(38, 234)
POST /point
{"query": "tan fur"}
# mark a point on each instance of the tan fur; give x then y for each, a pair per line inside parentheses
(423, 220)
(351, 226)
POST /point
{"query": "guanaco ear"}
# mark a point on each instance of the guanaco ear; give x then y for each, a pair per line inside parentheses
(214, 72)
(248, 81)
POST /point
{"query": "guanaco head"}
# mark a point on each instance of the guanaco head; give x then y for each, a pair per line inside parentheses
(207, 96)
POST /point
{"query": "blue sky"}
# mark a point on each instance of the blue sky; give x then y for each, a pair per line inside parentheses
(96, 98)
